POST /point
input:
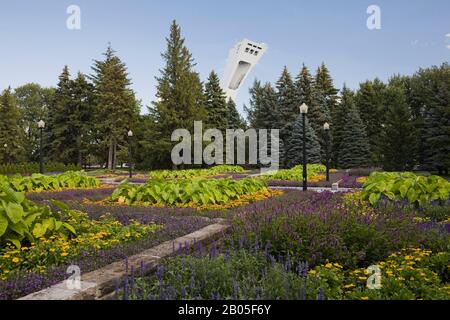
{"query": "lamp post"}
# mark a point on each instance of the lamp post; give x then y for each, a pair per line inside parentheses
(6, 153)
(130, 166)
(326, 128)
(304, 111)
(41, 126)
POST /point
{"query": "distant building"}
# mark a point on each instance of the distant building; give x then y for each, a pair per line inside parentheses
(241, 59)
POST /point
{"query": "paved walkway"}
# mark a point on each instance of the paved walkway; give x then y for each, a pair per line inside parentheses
(316, 189)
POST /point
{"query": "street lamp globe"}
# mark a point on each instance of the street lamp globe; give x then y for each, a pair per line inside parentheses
(5, 145)
(304, 109)
(326, 126)
(130, 133)
(41, 124)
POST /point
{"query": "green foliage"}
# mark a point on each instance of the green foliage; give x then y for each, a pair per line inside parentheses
(192, 173)
(33, 167)
(234, 119)
(296, 173)
(22, 221)
(116, 104)
(180, 99)
(39, 182)
(215, 103)
(399, 136)
(235, 275)
(294, 147)
(33, 102)
(417, 190)
(369, 101)
(182, 192)
(11, 137)
(353, 147)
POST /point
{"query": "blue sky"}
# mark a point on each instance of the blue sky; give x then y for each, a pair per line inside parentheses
(36, 43)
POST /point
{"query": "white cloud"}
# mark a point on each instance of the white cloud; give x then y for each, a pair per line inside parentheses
(448, 46)
(448, 35)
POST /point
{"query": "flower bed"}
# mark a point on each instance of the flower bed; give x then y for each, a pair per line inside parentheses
(23, 283)
(241, 274)
(191, 193)
(311, 246)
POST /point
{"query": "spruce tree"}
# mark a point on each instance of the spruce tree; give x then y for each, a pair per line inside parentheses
(58, 139)
(353, 148)
(370, 102)
(436, 133)
(294, 147)
(215, 103)
(11, 137)
(399, 136)
(115, 102)
(234, 119)
(287, 98)
(179, 95)
(304, 84)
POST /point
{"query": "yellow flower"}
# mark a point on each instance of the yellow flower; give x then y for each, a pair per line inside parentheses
(364, 298)
(16, 260)
(337, 265)
(348, 286)
(329, 265)
(64, 254)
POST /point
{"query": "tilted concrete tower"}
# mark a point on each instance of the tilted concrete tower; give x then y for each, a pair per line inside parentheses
(241, 60)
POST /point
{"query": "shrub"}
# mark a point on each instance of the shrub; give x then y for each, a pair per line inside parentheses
(33, 167)
(417, 190)
(197, 191)
(194, 173)
(362, 172)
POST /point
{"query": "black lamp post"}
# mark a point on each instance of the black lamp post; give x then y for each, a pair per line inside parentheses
(41, 126)
(130, 165)
(326, 128)
(6, 153)
(304, 111)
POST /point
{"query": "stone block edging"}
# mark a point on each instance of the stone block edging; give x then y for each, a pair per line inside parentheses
(101, 283)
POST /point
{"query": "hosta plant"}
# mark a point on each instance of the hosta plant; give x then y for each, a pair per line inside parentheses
(405, 186)
(181, 192)
(40, 182)
(192, 173)
(22, 221)
(296, 173)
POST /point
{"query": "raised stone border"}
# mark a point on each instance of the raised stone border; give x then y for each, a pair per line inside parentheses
(101, 283)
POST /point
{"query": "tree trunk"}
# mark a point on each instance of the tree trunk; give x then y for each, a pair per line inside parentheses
(110, 154)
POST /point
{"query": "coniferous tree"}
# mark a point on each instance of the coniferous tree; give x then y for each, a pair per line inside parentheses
(33, 102)
(11, 137)
(436, 126)
(115, 102)
(287, 98)
(215, 103)
(353, 149)
(370, 102)
(254, 114)
(234, 119)
(399, 136)
(305, 87)
(180, 95)
(58, 138)
(294, 147)
(82, 116)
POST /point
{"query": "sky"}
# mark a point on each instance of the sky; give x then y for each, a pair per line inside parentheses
(36, 43)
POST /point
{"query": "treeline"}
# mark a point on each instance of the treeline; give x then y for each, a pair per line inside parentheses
(88, 116)
(400, 125)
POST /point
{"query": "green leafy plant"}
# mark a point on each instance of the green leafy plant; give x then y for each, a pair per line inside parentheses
(295, 173)
(193, 173)
(22, 221)
(182, 192)
(417, 190)
(39, 182)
